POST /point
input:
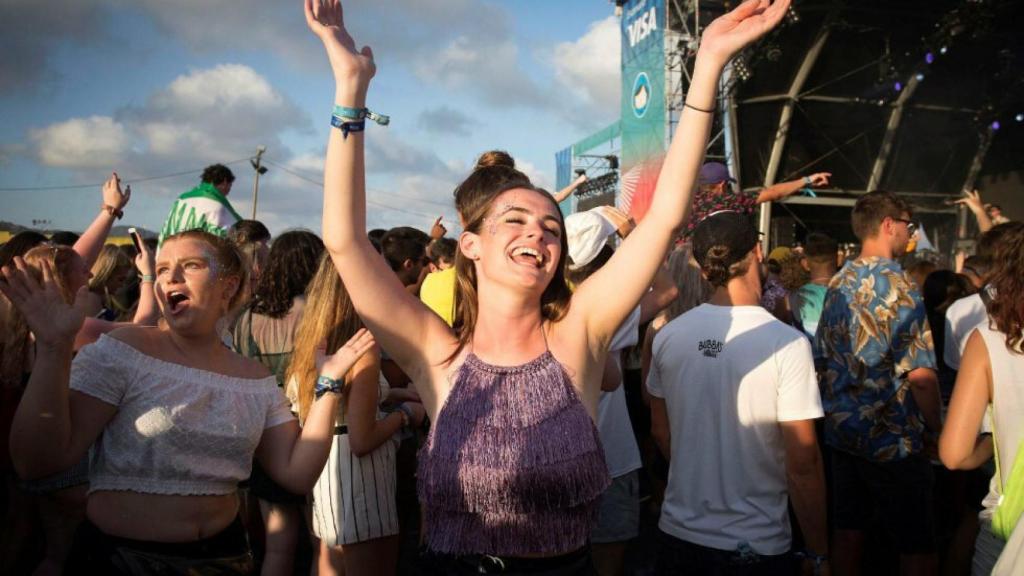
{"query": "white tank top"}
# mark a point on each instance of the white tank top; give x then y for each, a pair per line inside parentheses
(1008, 403)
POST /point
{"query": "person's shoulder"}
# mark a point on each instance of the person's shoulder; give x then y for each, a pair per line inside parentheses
(248, 368)
(138, 337)
(965, 304)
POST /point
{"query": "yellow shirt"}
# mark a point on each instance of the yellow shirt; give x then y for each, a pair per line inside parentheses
(438, 293)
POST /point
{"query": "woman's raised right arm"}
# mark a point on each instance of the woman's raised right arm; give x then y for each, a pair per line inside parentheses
(53, 427)
(92, 240)
(413, 335)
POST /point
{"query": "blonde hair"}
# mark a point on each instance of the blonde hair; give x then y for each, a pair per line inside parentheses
(111, 259)
(328, 316)
(14, 332)
(694, 289)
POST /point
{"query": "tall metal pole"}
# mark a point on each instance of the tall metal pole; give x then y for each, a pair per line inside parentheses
(256, 184)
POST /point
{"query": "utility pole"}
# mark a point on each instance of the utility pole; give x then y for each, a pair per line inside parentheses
(260, 169)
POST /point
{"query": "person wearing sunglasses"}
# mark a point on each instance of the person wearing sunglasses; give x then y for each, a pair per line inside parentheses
(880, 392)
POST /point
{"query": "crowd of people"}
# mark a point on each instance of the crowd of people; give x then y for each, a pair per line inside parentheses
(517, 399)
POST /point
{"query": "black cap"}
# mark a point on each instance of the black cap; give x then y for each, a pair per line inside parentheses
(727, 228)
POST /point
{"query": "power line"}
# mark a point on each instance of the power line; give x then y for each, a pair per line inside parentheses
(369, 201)
(127, 180)
(395, 194)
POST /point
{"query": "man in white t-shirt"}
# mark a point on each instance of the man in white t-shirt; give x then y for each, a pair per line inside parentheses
(734, 403)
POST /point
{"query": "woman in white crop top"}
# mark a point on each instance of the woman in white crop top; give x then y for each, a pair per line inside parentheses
(991, 375)
(176, 417)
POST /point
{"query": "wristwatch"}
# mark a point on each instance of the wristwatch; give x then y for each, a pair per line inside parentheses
(325, 385)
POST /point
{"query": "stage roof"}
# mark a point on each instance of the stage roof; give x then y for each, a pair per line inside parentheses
(896, 94)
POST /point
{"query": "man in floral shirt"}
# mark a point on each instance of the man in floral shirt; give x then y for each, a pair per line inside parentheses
(715, 192)
(879, 391)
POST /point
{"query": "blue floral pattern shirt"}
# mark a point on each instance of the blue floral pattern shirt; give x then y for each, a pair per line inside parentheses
(873, 331)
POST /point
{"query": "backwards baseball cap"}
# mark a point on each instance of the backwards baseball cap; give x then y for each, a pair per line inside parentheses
(713, 173)
(586, 233)
(734, 231)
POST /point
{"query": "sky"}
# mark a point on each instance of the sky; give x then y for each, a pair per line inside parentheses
(153, 88)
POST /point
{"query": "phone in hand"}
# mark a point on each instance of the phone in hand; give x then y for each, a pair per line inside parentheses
(136, 239)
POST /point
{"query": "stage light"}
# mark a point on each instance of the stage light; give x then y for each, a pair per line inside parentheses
(898, 86)
(1019, 117)
(943, 50)
(995, 125)
(919, 77)
(929, 58)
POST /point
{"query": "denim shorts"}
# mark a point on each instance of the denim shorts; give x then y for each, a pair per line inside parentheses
(618, 516)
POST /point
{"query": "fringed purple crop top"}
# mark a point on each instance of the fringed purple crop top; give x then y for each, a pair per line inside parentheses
(513, 466)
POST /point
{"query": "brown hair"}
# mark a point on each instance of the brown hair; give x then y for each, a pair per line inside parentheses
(229, 259)
(1007, 308)
(820, 248)
(719, 268)
(328, 316)
(874, 207)
(791, 273)
(14, 332)
(478, 193)
(495, 158)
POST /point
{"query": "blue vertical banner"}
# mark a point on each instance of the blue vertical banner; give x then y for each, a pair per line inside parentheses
(643, 102)
(563, 176)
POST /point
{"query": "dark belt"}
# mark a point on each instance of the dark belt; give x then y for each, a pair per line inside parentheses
(339, 430)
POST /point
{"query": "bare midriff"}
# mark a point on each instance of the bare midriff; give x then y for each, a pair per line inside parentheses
(160, 517)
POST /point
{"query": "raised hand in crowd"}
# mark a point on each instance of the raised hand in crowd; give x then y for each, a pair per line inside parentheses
(338, 364)
(353, 69)
(818, 179)
(729, 33)
(113, 201)
(438, 230)
(972, 200)
(51, 319)
(568, 190)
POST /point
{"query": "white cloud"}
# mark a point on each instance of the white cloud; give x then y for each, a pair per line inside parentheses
(81, 142)
(224, 86)
(589, 68)
(536, 175)
(486, 67)
(206, 116)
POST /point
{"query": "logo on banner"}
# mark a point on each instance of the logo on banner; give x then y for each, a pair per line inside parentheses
(640, 28)
(641, 94)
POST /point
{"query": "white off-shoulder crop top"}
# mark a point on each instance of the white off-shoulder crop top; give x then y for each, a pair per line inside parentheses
(178, 430)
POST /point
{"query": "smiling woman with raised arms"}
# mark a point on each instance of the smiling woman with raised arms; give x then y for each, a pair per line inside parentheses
(510, 475)
(176, 417)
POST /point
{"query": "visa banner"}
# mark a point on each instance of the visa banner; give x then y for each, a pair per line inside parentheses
(643, 103)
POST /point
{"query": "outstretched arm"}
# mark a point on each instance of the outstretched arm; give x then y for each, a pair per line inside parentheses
(604, 300)
(568, 190)
(91, 242)
(972, 199)
(784, 189)
(399, 321)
